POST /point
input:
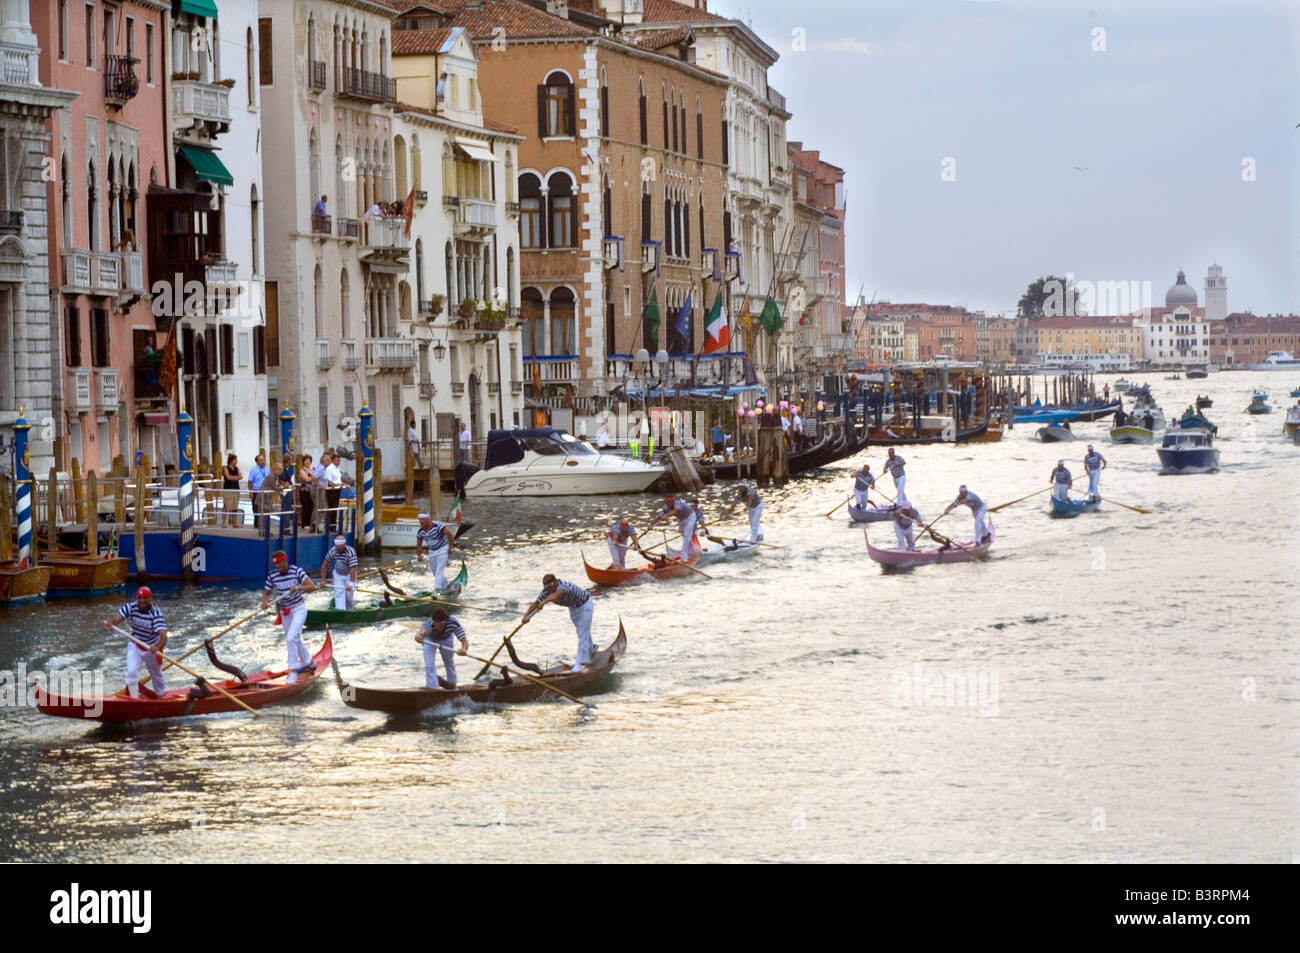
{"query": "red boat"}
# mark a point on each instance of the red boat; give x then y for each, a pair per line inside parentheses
(258, 690)
(669, 569)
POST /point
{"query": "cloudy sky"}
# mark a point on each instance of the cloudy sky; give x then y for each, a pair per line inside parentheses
(1172, 145)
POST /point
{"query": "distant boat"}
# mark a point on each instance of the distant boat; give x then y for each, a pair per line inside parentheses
(1131, 433)
(1188, 451)
(1055, 434)
(1292, 423)
(1090, 410)
(1276, 361)
(1203, 402)
(1070, 508)
(1196, 372)
(1043, 416)
(1259, 404)
(1174, 377)
(1296, 392)
(1122, 385)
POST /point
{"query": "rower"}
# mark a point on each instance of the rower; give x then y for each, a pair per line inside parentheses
(1094, 463)
(863, 482)
(685, 514)
(904, 514)
(344, 560)
(618, 537)
(1060, 479)
(701, 529)
(436, 636)
(578, 601)
(895, 465)
(148, 627)
(754, 509)
(966, 498)
(434, 535)
(289, 583)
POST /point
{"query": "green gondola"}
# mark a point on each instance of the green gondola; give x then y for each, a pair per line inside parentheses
(400, 608)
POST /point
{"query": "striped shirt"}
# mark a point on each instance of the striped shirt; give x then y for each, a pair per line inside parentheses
(895, 466)
(619, 535)
(862, 480)
(453, 630)
(751, 498)
(344, 562)
(970, 499)
(679, 508)
(282, 582)
(435, 537)
(904, 516)
(147, 625)
(1061, 475)
(571, 596)
(1093, 461)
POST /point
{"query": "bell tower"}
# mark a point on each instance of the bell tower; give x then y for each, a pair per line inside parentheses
(1216, 294)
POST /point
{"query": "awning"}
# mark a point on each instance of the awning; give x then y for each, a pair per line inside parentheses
(475, 150)
(200, 8)
(206, 165)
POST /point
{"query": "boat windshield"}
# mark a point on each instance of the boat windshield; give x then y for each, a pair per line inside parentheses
(558, 444)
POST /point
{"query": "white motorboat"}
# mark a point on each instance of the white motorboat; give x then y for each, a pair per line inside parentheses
(1188, 451)
(549, 462)
(1276, 361)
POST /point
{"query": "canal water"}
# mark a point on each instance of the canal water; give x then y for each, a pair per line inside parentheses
(1117, 687)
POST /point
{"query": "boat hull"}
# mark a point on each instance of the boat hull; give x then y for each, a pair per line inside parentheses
(81, 574)
(1044, 416)
(958, 553)
(1054, 435)
(1067, 509)
(261, 689)
(19, 586)
(674, 569)
(736, 549)
(1192, 460)
(869, 516)
(227, 554)
(1127, 434)
(412, 701)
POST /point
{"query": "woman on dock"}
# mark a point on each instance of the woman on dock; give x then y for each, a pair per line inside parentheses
(306, 481)
(230, 477)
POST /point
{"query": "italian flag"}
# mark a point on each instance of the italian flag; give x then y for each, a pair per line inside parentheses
(457, 511)
(719, 333)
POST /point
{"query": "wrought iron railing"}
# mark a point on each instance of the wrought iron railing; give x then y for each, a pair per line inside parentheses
(120, 82)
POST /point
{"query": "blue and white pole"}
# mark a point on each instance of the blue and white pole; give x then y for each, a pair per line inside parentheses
(185, 498)
(367, 480)
(286, 432)
(23, 477)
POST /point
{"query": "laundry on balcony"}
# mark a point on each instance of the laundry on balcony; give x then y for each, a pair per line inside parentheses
(206, 165)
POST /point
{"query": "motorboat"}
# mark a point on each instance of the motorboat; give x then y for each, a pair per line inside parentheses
(1259, 404)
(550, 462)
(1292, 423)
(1196, 372)
(1203, 402)
(1276, 361)
(1055, 433)
(1188, 451)
(1131, 433)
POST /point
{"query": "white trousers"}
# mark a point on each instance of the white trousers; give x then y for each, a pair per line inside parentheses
(294, 619)
(1060, 491)
(690, 545)
(431, 650)
(755, 530)
(900, 488)
(134, 656)
(344, 591)
(617, 553)
(861, 499)
(905, 540)
(981, 530)
(1094, 482)
(438, 566)
(580, 616)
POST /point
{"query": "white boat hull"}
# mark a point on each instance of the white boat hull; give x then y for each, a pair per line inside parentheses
(582, 480)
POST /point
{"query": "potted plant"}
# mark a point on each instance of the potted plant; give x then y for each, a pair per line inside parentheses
(228, 83)
(467, 308)
(435, 305)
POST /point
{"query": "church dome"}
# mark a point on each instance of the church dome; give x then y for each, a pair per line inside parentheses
(1180, 292)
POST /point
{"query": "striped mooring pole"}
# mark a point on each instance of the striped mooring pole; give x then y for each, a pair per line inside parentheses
(286, 432)
(185, 496)
(367, 480)
(23, 478)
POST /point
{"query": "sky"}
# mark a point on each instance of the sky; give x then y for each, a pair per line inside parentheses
(1114, 141)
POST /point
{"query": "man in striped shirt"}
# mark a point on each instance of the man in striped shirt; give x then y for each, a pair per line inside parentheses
(863, 481)
(289, 583)
(753, 509)
(685, 515)
(966, 498)
(578, 601)
(435, 636)
(895, 465)
(433, 536)
(904, 515)
(344, 560)
(619, 536)
(148, 627)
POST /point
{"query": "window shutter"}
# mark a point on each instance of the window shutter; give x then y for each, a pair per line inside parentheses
(699, 135)
(686, 232)
(542, 131)
(227, 349)
(668, 227)
(645, 135)
(726, 150)
(645, 217)
(74, 336)
(685, 147)
(604, 111)
(571, 112)
(265, 62)
(675, 149)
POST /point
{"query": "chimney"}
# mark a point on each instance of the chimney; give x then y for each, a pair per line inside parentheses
(558, 8)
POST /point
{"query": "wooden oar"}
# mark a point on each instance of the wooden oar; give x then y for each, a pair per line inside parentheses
(212, 638)
(531, 678)
(653, 555)
(439, 602)
(849, 500)
(187, 671)
(1135, 509)
(492, 660)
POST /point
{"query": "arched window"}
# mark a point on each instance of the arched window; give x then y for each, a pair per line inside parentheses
(386, 175)
(607, 210)
(726, 145)
(383, 53)
(699, 133)
(313, 152)
(531, 219)
(318, 301)
(448, 170)
(488, 282)
(555, 106)
(534, 324)
(404, 301)
(640, 85)
(254, 217)
(562, 225)
(676, 143)
(563, 337)
(340, 180)
(112, 204)
(345, 304)
(604, 103)
(399, 163)
(682, 121)
(312, 51)
(419, 271)
(667, 135)
(250, 57)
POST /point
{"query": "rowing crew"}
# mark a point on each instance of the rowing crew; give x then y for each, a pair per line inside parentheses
(864, 481)
(906, 514)
(690, 525)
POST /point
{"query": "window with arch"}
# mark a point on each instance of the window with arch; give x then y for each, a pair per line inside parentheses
(646, 214)
(534, 322)
(641, 108)
(604, 104)
(340, 179)
(530, 212)
(607, 209)
(255, 221)
(313, 50)
(563, 319)
(556, 111)
(65, 176)
(681, 120)
(562, 225)
(345, 304)
(726, 145)
(92, 208)
(675, 140)
(399, 165)
(318, 302)
(699, 132)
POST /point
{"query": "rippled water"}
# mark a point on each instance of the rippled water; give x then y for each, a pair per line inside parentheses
(1134, 687)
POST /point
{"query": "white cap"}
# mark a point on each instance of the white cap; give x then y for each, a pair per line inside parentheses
(1060, 463)
(423, 516)
(1090, 448)
(961, 490)
(340, 540)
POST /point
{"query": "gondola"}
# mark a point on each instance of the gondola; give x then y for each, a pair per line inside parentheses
(1071, 508)
(410, 607)
(256, 691)
(20, 583)
(669, 569)
(957, 553)
(860, 515)
(971, 433)
(502, 690)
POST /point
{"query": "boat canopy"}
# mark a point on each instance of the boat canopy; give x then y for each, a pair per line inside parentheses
(507, 446)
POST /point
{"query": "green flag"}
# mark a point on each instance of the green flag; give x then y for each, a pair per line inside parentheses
(771, 316)
(652, 318)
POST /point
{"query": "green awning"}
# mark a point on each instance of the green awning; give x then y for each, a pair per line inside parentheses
(200, 8)
(207, 166)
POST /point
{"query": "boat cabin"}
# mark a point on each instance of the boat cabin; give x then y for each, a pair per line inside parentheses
(509, 446)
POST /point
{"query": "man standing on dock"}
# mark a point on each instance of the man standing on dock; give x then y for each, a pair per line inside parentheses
(148, 627)
(753, 509)
(895, 465)
(434, 536)
(1094, 463)
(863, 482)
(619, 536)
(685, 514)
(344, 560)
(436, 636)
(1060, 479)
(966, 498)
(578, 601)
(904, 515)
(256, 477)
(289, 583)
(333, 489)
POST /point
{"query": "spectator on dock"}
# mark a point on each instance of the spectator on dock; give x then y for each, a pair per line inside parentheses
(466, 438)
(413, 444)
(306, 480)
(256, 477)
(333, 487)
(230, 477)
(318, 484)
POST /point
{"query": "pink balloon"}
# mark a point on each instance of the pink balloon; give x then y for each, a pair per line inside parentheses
(744, 406)
(784, 405)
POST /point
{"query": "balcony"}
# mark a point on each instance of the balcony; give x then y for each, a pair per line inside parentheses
(366, 86)
(88, 272)
(11, 221)
(387, 233)
(351, 354)
(349, 228)
(421, 198)
(195, 102)
(512, 209)
(316, 74)
(120, 82)
(427, 390)
(494, 388)
(554, 368)
(457, 388)
(133, 272)
(19, 65)
(107, 389)
(516, 387)
(322, 225)
(484, 323)
(146, 382)
(475, 216)
(220, 273)
(79, 394)
(324, 359)
(387, 354)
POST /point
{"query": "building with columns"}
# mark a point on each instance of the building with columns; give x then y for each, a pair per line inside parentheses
(28, 344)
